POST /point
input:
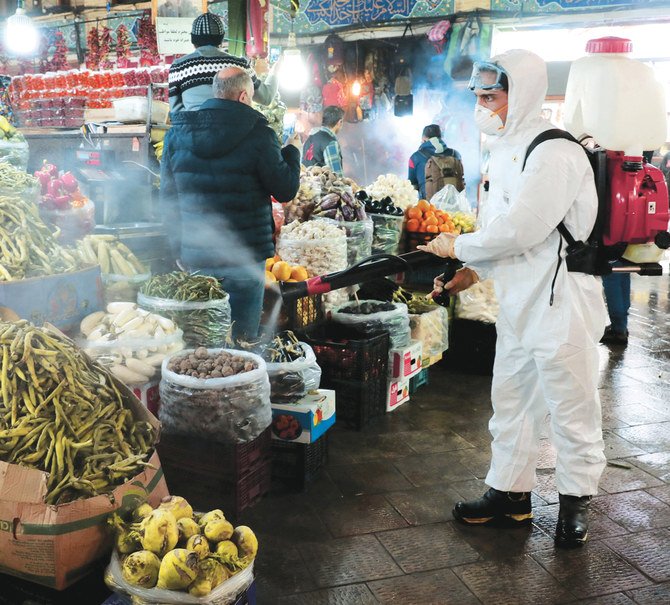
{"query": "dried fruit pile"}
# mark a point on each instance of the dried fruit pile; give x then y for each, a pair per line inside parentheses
(202, 364)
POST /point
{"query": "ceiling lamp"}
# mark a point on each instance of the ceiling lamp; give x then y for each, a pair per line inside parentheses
(21, 36)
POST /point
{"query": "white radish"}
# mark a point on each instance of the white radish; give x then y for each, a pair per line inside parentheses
(97, 334)
(142, 354)
(156, 359)
(122, 318)
(117, 307)
(89, 323)
(140, 367)
(128, 376)
(165, 323)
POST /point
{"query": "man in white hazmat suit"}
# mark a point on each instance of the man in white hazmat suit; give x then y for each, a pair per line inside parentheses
(550, 321)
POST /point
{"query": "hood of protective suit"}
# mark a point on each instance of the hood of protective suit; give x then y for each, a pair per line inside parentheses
(527, 74)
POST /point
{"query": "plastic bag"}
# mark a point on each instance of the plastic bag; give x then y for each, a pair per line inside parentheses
(74, 223)
(387, 232)
(15, 153)
(122, 287)
(319, 256)
(431, 327)
(277, 216)
(450, 200)
(292, 380)
(120, 355)
(359, 238)
(395, 322)
(205, 324)
(478, 302)
(235, 409)
(225, 593)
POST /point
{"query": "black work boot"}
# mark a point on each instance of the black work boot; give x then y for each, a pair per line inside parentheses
(496, 508)
(572, 529)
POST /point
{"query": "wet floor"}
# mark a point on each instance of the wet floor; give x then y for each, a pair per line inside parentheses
(376, 527)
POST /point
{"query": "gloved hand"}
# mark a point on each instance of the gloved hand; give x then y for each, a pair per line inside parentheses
(462, 280)
(442, 245)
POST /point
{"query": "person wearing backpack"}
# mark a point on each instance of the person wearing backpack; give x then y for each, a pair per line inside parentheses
(550, 320)
(434, 165)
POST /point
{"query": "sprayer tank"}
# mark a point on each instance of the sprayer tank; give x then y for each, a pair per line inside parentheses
(615, 99)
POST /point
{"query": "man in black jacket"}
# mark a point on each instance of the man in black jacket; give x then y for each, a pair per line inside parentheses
(321, 147)
(220, 166)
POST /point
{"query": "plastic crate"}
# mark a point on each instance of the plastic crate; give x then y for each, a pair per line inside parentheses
(302, 312)
(296, 464)
(355, 366)
(216, 475)
(414, 239)
(418, 381)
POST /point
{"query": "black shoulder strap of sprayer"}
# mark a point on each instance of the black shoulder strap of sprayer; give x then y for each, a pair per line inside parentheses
(550, 135)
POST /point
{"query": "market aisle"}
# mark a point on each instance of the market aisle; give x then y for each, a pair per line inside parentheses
(377, 526)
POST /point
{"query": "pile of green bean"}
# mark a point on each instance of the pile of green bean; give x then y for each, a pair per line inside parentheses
(184, 286)
(13, 180)
(27, 246)
(62, 414)
(196, 303)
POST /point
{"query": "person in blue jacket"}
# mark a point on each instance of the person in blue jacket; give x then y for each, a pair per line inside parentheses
(431, 144)
(220, 166)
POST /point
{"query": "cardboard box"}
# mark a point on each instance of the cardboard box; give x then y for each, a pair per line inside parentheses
(398, 393)
(149, 395)
(405, 363)
(315, 413)
(57, 545)
(62, 300)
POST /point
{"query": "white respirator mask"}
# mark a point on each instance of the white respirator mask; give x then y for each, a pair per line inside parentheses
(488, 121)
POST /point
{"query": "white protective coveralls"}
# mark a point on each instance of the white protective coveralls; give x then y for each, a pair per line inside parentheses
(546, 355)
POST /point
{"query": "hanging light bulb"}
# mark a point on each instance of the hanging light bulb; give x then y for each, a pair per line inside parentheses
(21, 36)
(293, 72)
(356, 88)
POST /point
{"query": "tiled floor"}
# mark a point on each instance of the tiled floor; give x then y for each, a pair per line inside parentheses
(377, 526)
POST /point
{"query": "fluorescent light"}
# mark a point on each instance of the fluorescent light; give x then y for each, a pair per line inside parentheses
(293, 72)
(21, 36)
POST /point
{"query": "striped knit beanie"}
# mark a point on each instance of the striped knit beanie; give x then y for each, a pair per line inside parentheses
(207, 24)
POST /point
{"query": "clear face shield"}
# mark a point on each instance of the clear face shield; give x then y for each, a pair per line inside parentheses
(486, 76)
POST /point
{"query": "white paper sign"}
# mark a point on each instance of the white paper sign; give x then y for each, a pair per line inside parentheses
(174, 35)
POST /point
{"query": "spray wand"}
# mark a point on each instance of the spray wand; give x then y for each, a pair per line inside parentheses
(379, 265)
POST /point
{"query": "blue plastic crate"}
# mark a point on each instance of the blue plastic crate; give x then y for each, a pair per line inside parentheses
(418, 381)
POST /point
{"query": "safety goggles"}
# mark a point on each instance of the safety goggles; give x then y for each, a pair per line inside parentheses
(486, 76)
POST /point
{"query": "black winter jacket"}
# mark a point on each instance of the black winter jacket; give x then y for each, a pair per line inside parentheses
(219, 168)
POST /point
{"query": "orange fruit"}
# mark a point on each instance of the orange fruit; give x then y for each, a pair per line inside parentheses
(298, 274)
(281, 270)
(443, 228)
(268, 263)
(423, 205)
(291, 280)
(431, 220)
(269, 277)
(414, 213)
(432, 228)
(422, 228)
(413, 225)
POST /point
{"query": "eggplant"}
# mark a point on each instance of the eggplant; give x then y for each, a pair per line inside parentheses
(348, 213)
(375, 206)
(398, 212)
(360, 213)
(348, 199)
(329, 201)
(361, 195)
(332, 213)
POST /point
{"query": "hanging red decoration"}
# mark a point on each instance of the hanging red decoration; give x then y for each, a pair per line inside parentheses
(93, 49)
(105, 38)
(146, 39)
(59, 60)
(122, 47)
